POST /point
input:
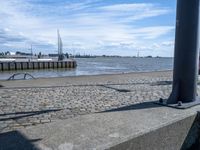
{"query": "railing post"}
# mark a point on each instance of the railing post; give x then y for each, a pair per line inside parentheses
(186, 56)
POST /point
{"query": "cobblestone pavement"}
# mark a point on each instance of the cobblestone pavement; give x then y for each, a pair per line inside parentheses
(22, 107)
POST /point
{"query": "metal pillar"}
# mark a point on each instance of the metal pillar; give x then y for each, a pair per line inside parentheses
(186, 56)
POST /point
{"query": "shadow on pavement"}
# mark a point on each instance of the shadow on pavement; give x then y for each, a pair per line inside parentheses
(144, 105)
(19, 115)
(14, 140)
(192, 140)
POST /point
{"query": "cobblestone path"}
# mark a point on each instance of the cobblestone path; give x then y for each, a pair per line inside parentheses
(22, 107)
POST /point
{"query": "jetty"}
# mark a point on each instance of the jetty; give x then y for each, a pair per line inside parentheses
(7, 65)
(20, 62)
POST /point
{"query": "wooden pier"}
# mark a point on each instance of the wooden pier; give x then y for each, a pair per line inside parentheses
(24, 65)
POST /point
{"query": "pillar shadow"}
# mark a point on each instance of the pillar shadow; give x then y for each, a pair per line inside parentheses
(19, 115)
(14, 140)
(144, 105)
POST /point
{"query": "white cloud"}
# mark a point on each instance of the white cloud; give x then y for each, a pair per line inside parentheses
(135, 11)
(83, 25)
(152, 32)
(127, 7)
(167, 43)
(80, 5)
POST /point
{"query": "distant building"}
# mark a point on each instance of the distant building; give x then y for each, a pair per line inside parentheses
(12, 53)
(57, 55)
(53, 55)
(23, 54)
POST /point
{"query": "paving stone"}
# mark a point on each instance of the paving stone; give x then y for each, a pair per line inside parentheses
(41, 105)
(45, 121)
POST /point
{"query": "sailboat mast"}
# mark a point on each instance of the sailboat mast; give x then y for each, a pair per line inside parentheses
(58, 42)
(60, 46)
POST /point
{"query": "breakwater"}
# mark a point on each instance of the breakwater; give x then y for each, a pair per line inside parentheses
(24, 65)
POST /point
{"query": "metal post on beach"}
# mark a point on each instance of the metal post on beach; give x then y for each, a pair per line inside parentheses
(186, 56)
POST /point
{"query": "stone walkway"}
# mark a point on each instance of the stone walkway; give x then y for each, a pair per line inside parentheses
(21, 106)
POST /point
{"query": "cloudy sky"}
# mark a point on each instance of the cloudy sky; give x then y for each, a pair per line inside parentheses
(97, 27)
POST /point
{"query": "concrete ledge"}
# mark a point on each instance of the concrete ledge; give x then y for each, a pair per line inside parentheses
(144, 126)
(169, 137)
(23, 65)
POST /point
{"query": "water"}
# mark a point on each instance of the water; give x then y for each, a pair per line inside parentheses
(94, 66)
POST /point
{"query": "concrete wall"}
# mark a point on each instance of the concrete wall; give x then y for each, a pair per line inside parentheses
(5, 66)
(67, 65)
(30, 65)
(35, 65)
(50, 64)
(24, 65)
(63, 64)
(171, 137)
(59, 65)
(55, 65)
(12, 66)
(46, 65)
(145, 126)
(18, 65)
(40, 65)
(71, 64)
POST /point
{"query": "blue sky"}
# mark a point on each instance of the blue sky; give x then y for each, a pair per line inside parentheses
(97, 27)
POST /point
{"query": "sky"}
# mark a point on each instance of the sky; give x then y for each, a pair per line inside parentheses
(95, 27)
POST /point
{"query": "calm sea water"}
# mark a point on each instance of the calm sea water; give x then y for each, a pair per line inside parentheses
(94, 66)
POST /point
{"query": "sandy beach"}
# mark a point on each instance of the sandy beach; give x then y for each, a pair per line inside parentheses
(26, 103)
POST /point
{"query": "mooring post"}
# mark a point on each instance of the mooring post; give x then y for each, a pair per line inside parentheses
(186, 56)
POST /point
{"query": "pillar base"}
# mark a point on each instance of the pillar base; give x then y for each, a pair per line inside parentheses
(179, 104)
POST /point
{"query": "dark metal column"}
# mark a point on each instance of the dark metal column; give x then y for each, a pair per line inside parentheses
(186, 56)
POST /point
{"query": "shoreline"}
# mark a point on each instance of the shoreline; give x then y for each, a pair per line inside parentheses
(87, 79)
(104, 74)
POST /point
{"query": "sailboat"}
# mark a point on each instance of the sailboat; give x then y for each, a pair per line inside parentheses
(60, 47)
